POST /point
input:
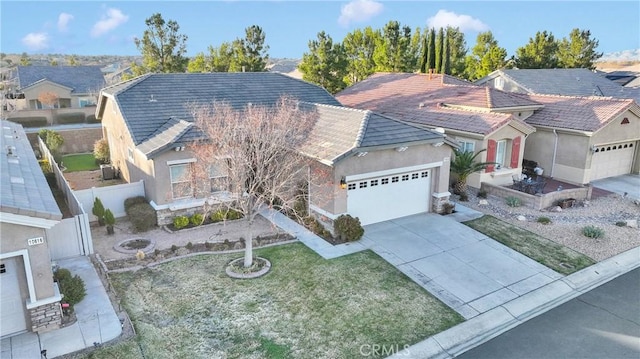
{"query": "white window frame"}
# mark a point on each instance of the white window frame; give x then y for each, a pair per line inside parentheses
(467, 146)
(177, 181)
(501, 153)
(218, 176)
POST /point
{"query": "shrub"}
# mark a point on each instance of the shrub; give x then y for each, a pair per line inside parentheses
(482, 194)
(141, 214)
(217, 216)
(180, 222)
(464, 197)
(98, 210)
(133, 201)
(196, 219)
(313, 225)
(513, 202)
(45, 166)
(189, 246)
(174, 248)
(448, 208)
(52, 139)
(101, 150)
(71, 287)
(621, 223)
(544, 220)
(232, 214)
(77, 117)
(30, 121)
(225, 214)
(109, 219)
(592, 231)
(348, 228)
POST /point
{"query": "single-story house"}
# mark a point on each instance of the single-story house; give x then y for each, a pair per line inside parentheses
(475, 117)
(29, 298)
(581, 139)
(388, 168)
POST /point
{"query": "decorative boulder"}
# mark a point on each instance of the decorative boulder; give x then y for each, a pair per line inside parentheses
(522, 218)
(633, 223)
(483, 202)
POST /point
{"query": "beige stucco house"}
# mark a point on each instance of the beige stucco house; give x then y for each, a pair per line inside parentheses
(380, 168)
(476, 118)
(29, 298)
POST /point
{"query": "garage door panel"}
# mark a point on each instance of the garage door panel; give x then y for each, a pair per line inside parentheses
(383, 198)
(12, 311)
(612, 160)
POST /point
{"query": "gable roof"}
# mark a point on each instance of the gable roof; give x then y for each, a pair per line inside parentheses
(435, 100)
(568, 82)
(340, 131)
(579, 113)
(24, 188)
(80, 79)
(148, 102)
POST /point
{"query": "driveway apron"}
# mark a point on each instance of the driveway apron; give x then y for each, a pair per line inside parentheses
(465, 269)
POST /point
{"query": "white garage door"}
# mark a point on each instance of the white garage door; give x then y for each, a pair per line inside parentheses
(12, 312)
(612, 160)
(383, 198)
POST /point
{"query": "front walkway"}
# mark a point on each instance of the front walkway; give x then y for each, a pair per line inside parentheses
(97, 321)
(465, 269)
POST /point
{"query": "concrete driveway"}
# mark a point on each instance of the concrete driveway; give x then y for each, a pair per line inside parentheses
(629, 184)
(467, 270)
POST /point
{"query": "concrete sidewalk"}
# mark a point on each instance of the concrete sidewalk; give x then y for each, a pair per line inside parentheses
(97, 321)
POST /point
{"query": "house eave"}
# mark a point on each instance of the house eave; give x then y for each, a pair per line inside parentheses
(566, 130)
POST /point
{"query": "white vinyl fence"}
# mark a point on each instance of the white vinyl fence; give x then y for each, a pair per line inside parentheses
(112, 197)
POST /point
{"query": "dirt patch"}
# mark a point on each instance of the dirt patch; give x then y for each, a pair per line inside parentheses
(88, 179)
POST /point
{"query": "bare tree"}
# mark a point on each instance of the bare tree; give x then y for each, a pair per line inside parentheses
(48, 98)
(253, 156)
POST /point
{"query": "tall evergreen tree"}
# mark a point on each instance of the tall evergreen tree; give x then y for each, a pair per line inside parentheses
(425, 51)
(325, 64)
(251, 53)
(393, 48)
(198, 64)
(162, 47)
(539, 53)
(486, 56)
(431, 55)
(439, 49)
(457, 51)
(220, 57)
(579, 50)
(359, 46)
(446, 57)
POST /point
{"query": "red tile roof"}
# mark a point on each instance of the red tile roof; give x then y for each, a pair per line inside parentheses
(578, 113)
(433, 100)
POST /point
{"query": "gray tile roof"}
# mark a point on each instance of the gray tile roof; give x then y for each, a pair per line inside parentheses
(23, 187)
(81, 79)
(569, 82)
(148, 102)
(339, 131)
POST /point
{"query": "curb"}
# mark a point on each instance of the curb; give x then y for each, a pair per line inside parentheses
(478, 330)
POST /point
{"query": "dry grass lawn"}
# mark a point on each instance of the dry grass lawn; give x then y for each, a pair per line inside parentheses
(306, 307)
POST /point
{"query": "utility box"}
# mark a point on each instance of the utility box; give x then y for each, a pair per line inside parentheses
(108, 172)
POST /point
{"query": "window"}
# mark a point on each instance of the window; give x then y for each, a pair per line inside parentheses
(351, 186)
(218, 177)
(405, 177)
(501, 151)
(181, 181)
(384, 181)
(394, 179)
(467, 146)
(424, 174)
(414, 176)
(498, 83)
(363, 184)
(374, 183)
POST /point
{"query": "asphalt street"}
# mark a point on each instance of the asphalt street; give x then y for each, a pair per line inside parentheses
(603, 323)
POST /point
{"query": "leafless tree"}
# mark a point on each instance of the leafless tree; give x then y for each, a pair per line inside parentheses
(252, 157)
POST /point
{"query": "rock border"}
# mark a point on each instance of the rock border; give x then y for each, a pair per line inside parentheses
(260, 273)
(148, 249)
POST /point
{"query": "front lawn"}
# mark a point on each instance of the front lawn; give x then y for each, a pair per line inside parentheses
(306, 307)
(80, 162)
(553, 255)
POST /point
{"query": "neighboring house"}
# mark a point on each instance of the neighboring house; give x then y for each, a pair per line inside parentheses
(388, 169)
(581, 139)
(29, 298)
(74, 89)
(622, 78)
(569, 82)
(475, 117)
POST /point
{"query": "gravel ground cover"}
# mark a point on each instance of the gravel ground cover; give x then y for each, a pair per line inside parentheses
(566, 226)
(306, 307)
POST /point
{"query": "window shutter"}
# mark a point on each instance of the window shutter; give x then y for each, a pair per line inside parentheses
(491, 154)
(515, 152)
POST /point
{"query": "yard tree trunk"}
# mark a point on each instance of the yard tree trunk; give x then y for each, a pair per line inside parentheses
(248, 243)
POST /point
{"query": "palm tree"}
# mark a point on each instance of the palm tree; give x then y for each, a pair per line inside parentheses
(465, 164)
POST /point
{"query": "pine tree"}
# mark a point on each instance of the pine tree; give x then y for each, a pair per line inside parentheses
(439, 50)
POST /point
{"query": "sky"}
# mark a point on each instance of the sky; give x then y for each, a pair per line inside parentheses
(110, 27)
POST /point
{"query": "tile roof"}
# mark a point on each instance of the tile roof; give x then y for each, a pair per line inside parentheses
(570, 82)
(434, 100)
(148, 102)
(81, 79)
(23, 187)
(339, 131)
(578, 113)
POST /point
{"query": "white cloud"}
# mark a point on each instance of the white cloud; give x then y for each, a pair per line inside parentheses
(446, 18)
(112, 19)
(36, 41)
(63, 21)
(359, 11)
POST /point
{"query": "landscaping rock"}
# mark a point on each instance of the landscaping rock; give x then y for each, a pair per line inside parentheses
(557, 209)
(238, 245)
(633, 223)
(483, 202)
(522, 218)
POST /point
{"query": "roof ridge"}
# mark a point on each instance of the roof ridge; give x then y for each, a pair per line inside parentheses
(364, 123)
(129, 83)
(488, 93)
(598, 98)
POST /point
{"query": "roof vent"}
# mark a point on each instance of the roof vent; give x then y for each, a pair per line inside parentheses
(421, 105)
(439, 129)
(152, 99)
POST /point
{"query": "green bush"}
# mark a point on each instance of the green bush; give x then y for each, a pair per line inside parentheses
(225, 214)
(232, 214)
(109, 219)
(71, 287)
(621, 223)
(133, 201)
(482, 194)
(98, 210)
(196, 219)
(30, 121)
(592, 231)
(544, 220)
(101, 151)
(217, 216)
(348, 228)
(464, 197)
(45, 166)
(180, 222)
(52, 139)
(189, 246)
(77, 117)
(142, 216)
(513, 202)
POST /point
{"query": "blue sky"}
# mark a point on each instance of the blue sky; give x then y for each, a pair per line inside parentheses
(109, 27)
